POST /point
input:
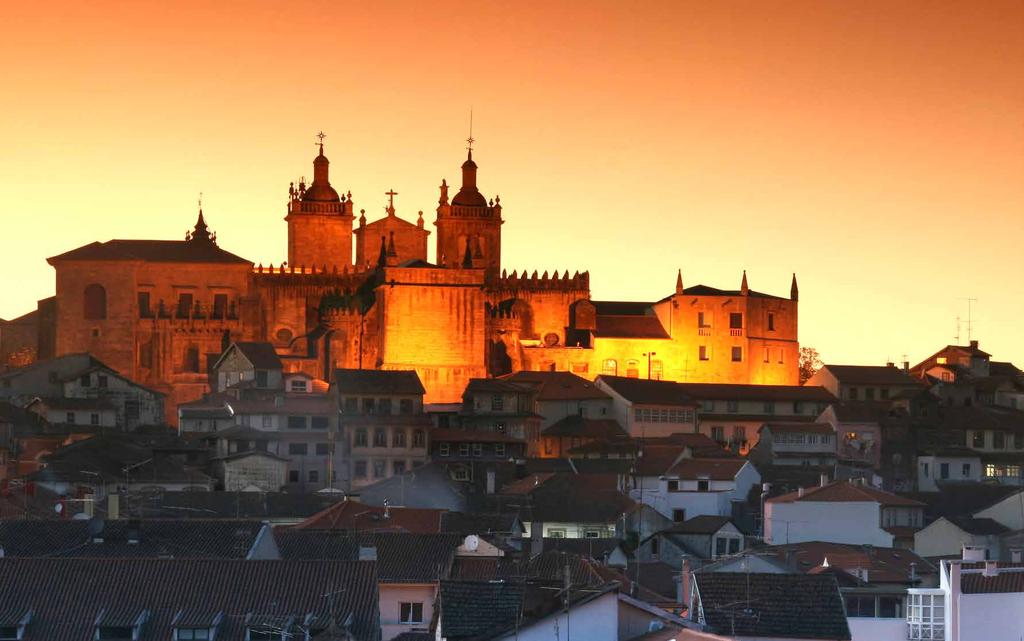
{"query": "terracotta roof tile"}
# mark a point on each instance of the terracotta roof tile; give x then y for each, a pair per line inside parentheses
(703, 468)
(847, 492)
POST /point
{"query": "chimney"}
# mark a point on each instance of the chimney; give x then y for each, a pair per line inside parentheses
(991, 569)
(973, 553)
(823, 481)
(906, 367)
(800, 493)
(890, 364)
(1016, 555)
(913, 573)
(113, 506)
(974, 344)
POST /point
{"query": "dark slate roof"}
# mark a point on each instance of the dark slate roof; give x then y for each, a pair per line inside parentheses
(647, 392)
(579, 426)
(401, 557)
(577, 498)
(704, 524)
(350, 514)
(629, 327)
(154, 538)
(596, 549)
(979, 526)
(465, 523)
(108, 456)
(156, 251)
(261, 355)
(378, 381)
(473, 608)
(495, 386)
(961, 499)
(67, 595)
(870, 375)
(723, 391)
(213, 505)
(772, 605)
(558, 386)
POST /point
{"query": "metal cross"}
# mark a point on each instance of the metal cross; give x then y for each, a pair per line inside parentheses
(470, 140)
(321, 136)
(391, 198)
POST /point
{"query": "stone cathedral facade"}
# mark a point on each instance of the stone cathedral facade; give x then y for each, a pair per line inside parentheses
(359, 294)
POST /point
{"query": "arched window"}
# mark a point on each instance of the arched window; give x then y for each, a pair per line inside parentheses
(610, 367)
(95, 302)
(657, 370)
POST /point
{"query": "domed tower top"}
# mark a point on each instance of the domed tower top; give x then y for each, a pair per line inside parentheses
(469, 195)
(321, 190)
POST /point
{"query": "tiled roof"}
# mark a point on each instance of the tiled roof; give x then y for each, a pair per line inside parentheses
(656, 459)
(979, 526)
(706, 290)
(261, 355)
(724, 391)
(528, 483)
(153, 538)
(704, 524)
(484, 569)
(212, 505)
(870, 375)
(67, 595)
(846, 492)
(961, 499)
(353, 515)
(791, 606)
(1009, 578)
(466, 523)
(577, 498)
(579, 426)
(378, 381)
(558, 386)
(594, 549)
(642, 391)
(705, 468)
(884, 565)
(401, 557)
(496, 386)
(108, 456)
(471, 609)
(629, 327)
(78, 403)
(155, 251)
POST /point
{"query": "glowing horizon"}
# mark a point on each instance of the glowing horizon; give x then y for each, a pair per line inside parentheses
(876, 149)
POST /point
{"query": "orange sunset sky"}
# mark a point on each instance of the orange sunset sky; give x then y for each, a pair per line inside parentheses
(876, 148)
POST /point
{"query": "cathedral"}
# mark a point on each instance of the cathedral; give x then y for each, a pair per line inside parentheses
(161, 311)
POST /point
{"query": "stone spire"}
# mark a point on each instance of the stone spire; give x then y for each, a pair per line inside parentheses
(794, 291)
(201, 232)
(679, 282)
(391, 246)
(382, 258)
(743, 285)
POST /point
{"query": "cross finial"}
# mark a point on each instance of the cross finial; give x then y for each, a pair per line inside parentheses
(391, 193)
(470, 140)
(321, 136)
(200, 201)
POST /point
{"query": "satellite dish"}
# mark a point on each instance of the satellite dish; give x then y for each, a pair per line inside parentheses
(472, 542)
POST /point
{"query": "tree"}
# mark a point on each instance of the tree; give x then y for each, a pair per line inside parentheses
(810, 362)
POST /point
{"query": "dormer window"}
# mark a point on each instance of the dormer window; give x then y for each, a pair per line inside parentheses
(263, 627)
(299, 385)
(13, 628)
(115, 626)
(193, 625)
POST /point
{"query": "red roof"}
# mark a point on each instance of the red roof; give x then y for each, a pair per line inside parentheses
(706, 468)
(527, 484)
(847, 492)
(558, 386)
(353, 515)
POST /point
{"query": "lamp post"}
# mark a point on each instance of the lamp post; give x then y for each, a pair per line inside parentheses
(649, 355)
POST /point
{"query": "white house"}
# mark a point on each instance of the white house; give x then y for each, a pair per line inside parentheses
(692, 487)
(948, 466)
(975, 601)
(1007, 511)
(947, 536)
(842, 512)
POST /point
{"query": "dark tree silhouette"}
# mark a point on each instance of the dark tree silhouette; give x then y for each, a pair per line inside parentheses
(810, 362)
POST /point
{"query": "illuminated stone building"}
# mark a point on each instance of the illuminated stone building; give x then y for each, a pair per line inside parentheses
(159, 311)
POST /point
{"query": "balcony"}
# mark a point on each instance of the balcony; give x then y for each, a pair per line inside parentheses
(703, 331)
(735, 331)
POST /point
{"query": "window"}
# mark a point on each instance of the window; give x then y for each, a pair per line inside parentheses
(359, 439)
(703, 353)
(869, 393)
(966, 471)
(556, 533)
(463, 449)
(398, 438)
(131, 409)
(852, 393)
(323, 449)
(184, 305)
(318, 422)
(369, 406)
(405, 406)
(767, 354)
(398, 467)
(610, 367)
(461, 473)
(94, 419)
(497, 402)
(998, 440)
(95, 302)
(734, 546)
(673, 486)
(410, 612)
(718, 433)
(943, 471)
(299, 385)
(114, 632)
(360, 470)
(657, 370)
(721, 545)
(499, 449)
(591, 534)
(220, 305)
(192, 359)
(85, 381)
(884, 392)
(926, 616)
(293, 476)
(314, 476)
(890, 607)
(978, 439)
(444, 449)
(1018, 441)
(419, 438)
(384, 406)
(632, 368)
(296, 422)
(478, 449)
(732, 406)
(500, 428)
(739, 433)
(145, 310)
(192, 634)
(101, 381)
(703, 485)
(297, 449)
(70, 416)
(860, 605)
(737, 354)
(771, 322)
(702, 320)
(735, 320)
(351, 405)
(655, 545)
(798, 407)
(378, 469)
(678, 515)
(380, 437)
(769, 407)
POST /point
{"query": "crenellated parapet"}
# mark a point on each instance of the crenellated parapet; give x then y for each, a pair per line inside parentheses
(316, 280)
(515, 282)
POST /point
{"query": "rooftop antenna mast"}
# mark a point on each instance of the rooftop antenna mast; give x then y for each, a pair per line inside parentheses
(970, 319)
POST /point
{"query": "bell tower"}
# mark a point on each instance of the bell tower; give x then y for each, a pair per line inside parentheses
(319, 221)
(469, 227)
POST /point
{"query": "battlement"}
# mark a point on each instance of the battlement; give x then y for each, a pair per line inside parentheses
(578, 282)
(500, 312)
(310, 279)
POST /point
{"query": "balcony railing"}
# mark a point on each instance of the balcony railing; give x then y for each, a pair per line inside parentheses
(735, 331)
(703, 331)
